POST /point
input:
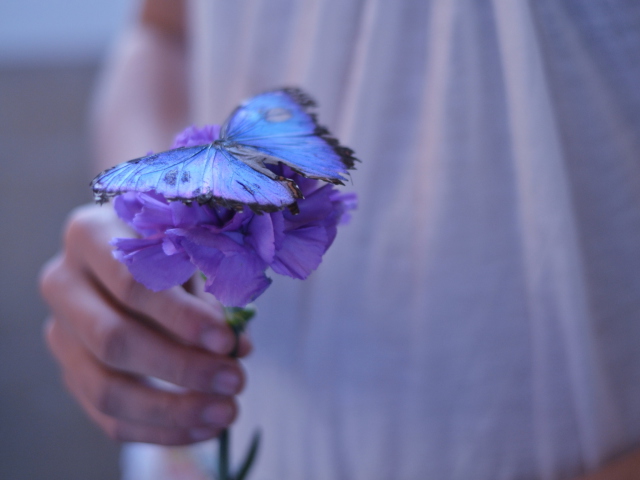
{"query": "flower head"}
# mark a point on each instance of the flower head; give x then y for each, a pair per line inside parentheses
(232, 248)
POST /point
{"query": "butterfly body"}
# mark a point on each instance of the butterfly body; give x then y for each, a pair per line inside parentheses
(271, 128)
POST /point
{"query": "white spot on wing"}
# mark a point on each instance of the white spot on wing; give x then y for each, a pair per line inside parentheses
(277, 115)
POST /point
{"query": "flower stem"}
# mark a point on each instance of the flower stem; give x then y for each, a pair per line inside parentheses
(237, 318)
(223, 455)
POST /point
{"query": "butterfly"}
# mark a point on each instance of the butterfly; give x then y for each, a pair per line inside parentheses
(274, 127)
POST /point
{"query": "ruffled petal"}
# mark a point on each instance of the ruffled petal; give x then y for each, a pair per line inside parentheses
(185, 216)
(237, 221)
(260, 236)
(301, 252)
(155, 215)
(149, 264)
(235, 273)
(279, 227)
(240, 279)
(193, 136)
(203, 236)
(127, 206)
(349, 201)
(314, 208)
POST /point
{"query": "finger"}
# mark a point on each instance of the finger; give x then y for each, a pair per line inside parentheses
(123, 431)
(117, 340)
(127, 398)
(189, 318)
(195, 286)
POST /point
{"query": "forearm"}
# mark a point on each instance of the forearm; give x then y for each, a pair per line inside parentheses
(142, 98)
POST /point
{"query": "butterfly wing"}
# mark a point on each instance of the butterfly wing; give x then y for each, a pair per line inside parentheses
(273, 127)
(237, 182)
(202, 173)
(279, 126)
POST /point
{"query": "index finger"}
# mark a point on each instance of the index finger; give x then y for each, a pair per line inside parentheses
(189, 318)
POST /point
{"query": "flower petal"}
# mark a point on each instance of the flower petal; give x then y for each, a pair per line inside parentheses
(260, 236)
(155, 215)
(236, 221)
(150, 266)
(313, 208)
(235, 273)
(279, 227)
(193, 136)
(127, 206)
(185, 216)
(239, 280)
(301, 251)
(349, 202)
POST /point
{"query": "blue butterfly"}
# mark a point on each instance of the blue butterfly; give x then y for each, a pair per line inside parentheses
(275, 127)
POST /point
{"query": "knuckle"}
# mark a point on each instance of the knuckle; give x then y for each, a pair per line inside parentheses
(187, 323)
(48, 333)
(179, 312)
(180, 371)
(191, 370)
(107, 398)
(129, 291)
(50, 277)
(235, 410)
(200, 374)
(78, 222)
(85, 226)
(118, 432)
(162, 412)
(112, 344)
(227, 412)
(182, 319)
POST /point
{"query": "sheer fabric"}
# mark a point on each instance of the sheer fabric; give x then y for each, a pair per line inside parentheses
(479, 318)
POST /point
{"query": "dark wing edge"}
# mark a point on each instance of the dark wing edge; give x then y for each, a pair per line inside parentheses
(102, 196)
(307, 103)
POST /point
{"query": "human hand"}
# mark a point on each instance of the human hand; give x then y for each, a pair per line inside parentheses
(110, 334)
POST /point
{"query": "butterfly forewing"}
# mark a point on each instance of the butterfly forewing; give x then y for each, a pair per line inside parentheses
(267, 115)
(175, 174)
(278, 124)
(203, 173)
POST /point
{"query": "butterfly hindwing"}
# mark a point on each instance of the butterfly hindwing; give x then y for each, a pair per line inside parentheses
(279, 124)
(237, 181)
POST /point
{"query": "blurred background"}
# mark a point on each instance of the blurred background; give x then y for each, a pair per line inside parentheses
(50, 55)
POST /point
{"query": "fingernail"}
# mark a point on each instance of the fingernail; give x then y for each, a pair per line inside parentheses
(218, 414)
(198, 434)
(217, 342)
(226, 382)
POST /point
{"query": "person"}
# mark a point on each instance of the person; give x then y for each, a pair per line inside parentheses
(478, 317)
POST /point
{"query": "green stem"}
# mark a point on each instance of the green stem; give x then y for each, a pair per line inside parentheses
(223, 455)
(237, 318)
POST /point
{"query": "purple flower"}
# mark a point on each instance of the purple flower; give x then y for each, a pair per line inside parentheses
(233, 249)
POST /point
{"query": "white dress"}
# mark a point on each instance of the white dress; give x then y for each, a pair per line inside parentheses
(480, 316)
